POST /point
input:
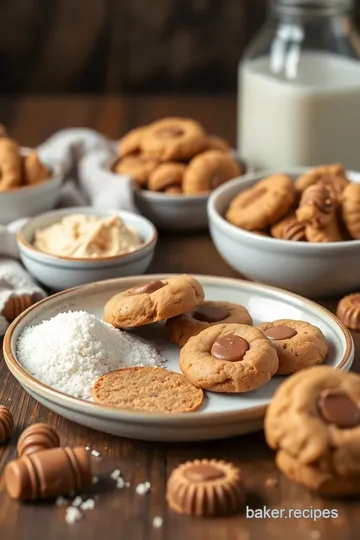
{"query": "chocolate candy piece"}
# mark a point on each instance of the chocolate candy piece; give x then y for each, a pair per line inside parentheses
(203, 473)
(6, 424)
(48, 474)
(210, 314)
(146, 288)
(36, 438)
(280, 332)
(231, 348)
(339, 409)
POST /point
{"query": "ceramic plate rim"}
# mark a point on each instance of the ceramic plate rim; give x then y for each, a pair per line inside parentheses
(128, 416)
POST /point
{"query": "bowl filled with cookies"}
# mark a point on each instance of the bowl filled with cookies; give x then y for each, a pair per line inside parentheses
(298, 230)
(72, 246)
(170, 357)
(27, 185)
(174, 165)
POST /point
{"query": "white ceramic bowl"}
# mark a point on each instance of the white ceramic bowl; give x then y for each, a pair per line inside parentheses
(30, 201)
(309, 269)
(172, 212)
(60, 273)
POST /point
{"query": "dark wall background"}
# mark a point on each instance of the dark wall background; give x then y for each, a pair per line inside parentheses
(111, 46)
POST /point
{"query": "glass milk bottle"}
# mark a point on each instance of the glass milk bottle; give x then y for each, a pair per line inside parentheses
(299, 88)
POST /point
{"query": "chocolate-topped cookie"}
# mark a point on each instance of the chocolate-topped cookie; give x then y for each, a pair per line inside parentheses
(230, 358)
(153, 301)
(313, 422)
(189, 324)
(299, 344)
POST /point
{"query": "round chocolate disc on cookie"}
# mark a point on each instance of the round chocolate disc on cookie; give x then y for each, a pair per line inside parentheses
(230, 348)
(338, 408)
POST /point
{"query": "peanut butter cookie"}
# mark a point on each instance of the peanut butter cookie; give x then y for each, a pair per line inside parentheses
(153, 301)
(329, 233)
(149, 389)
(138, 167)
(208, 171)
(299, 344)
(165, 176)
(131, 142)
(263, 204)
(317, 206)
(205, 488)
(336, 172)
(229, 358)
(173, 139)
(350, 209)
(214, 142)
(348, 311)
(313, 422)
(289, 228)
(10, 164)
(33, 170)
(189, 324)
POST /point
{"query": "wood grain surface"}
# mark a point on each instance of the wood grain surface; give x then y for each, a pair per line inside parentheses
(122, 514)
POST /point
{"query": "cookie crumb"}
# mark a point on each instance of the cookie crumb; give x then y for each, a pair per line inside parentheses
(60, 501)
(88, 505)
(115, 474)
(95, 479)
(95, 453)
(72, 515)
(77, 501)
(271, 482)
(120, 483)
(157, 522)
(142, 489)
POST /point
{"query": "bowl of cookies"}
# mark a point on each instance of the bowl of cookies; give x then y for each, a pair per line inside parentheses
(68, 247)
(27, 185)
(298, 229)
(174, 165)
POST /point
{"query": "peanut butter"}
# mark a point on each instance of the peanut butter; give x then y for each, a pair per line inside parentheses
(86, 236)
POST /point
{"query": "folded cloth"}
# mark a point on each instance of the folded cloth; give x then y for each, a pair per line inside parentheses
(85, 156)
(17, 292)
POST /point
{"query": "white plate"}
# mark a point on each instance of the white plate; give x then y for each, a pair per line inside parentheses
(222, 415)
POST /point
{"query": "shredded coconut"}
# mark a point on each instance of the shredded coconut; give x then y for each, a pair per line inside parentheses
(88, 505)
(142, 489)
(71, 350)
(77, 501)
(95, 453)
(115, 474)
(157, 522)
(120, 483)
(72, 514)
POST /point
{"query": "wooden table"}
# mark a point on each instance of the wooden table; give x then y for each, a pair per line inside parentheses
(122, 514)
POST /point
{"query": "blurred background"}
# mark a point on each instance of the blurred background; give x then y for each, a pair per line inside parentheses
(131, 46)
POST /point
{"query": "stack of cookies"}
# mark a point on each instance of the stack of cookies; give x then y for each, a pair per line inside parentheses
(322, 205)
(220, 349)
(176, 156)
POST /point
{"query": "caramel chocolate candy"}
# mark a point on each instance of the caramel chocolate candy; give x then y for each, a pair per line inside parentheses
(6, 424)
(339, 409)
(280, 332)
(205, 488)
(210, 314)
(36, 438)
(146, 288)
(231, 348)
(48, 474)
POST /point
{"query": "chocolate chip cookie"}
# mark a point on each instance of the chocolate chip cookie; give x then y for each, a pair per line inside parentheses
(230, 358)
(189, 324)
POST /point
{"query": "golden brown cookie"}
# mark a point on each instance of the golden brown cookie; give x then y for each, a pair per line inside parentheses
(350, 209)
(34, 172)
(173, 139)
(348, 311)
(205, 488)
(263, 204)
(138, 167)
(165, 176)
(230, 358)
(189, 324)
(289, 228)
(10, 164)
(317, 206)
(309, 178)
(313, 422)
(214, 142)
(131, 142)
(208, 171)
(153, 301)
(299, 344)
(329, 233)
(150, 389)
